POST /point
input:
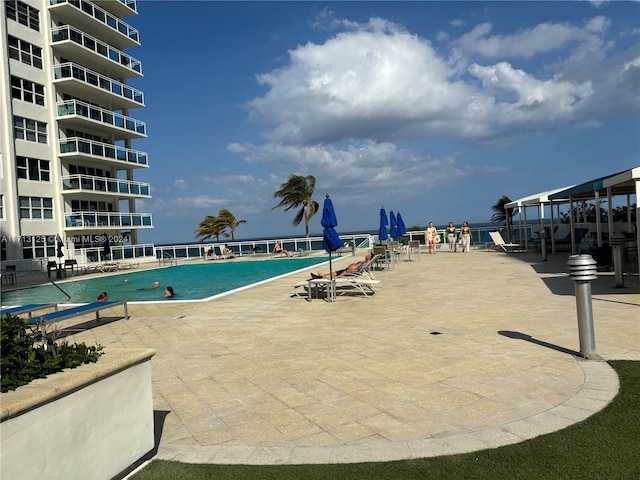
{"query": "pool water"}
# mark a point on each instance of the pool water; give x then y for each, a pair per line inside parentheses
(190, 282)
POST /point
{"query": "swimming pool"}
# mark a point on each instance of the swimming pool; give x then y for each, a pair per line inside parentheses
(191, 282)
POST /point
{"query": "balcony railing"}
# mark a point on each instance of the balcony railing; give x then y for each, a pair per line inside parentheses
(84, 183)
(99, 220)
(67, 32)
(130, 3)
(121, 8)
(103, 116)
(95, 79)
(103, 17)
(76, 145)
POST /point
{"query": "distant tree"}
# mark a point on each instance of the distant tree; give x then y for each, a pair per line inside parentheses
(415, 228)
(500, 214)
(296, 192)
(584, 212)
(209, 227)
(227, 220)
(620, 213)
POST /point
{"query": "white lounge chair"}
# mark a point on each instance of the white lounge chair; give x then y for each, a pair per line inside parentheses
(362, 281)
(507, 247)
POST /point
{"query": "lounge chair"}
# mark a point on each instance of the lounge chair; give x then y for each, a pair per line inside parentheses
(506, 247)
(80, 310)
(127, 265)
(29, 308)
(221, 256)
(359, 283)
(566, 241)
(362, 281)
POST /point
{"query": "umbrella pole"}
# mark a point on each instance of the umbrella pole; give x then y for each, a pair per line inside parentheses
(330, 279)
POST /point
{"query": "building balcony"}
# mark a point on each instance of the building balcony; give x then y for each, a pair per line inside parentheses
(89, 17)
(95, 54)
(102, 220)
(75, 148)
(79, 81)
(103, 185)
(120, 8)
(76, 114)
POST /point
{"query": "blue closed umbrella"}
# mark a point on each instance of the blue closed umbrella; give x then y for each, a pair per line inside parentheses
(60, 245)
(330, 239)
(402, 229)
(394, 225)
(382, 234)
(59, 252)
(106, 247)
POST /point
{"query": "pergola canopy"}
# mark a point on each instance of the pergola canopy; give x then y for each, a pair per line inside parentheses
(625, 183)
(534, 200)
(621, 183)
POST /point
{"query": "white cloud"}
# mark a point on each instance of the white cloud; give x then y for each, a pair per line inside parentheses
(520, 97)
(181, 184)
(344, 110)
(526, 43)
(231, 179)
(379, 83)
(381, 166)
(198, 201)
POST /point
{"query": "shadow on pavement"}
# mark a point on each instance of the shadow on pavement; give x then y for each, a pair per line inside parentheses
(542, 343)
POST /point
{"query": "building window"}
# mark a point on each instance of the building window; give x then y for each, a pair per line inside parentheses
(24, 14)
(27, 90)
(34, 169)
(25, 52)
(36, 208)
(38, 246)
(77, 133)
(1, 207)
(29, 130)
(91, 206)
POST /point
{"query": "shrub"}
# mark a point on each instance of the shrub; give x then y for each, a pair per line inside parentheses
(27, 353)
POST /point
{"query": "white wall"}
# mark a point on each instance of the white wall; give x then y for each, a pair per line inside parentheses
(94, 432)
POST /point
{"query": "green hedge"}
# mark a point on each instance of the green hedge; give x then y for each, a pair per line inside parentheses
(26, 353)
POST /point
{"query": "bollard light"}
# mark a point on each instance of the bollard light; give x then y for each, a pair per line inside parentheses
(618, 242)
(582, 269)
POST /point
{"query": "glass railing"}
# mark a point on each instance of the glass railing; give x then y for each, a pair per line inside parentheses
(108, 219)
(67, 32)
(131, 4)
(104, 17)
(101, 115)
(104, 150)
(82, 74)
(106, 185)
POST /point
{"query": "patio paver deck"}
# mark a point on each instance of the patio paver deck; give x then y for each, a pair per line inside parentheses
(458, 352)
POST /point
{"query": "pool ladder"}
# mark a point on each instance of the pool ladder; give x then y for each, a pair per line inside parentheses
(167, 258)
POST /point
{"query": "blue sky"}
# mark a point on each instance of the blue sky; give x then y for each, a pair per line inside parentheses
(433, 109)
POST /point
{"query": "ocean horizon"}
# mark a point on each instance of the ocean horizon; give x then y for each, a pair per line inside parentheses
(476, 226)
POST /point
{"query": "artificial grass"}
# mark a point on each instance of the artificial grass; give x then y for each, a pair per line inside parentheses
(605, 446)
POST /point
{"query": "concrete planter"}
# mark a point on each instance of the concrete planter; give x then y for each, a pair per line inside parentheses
(91, 422)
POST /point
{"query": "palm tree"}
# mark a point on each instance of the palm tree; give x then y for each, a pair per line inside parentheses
(297, 192)
(208, 228)
(500, 212)
(227, 220)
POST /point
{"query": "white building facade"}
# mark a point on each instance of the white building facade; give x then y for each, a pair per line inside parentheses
(66, 133)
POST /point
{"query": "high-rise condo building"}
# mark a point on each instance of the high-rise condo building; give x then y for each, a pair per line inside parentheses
(66, 132)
